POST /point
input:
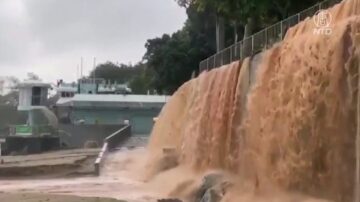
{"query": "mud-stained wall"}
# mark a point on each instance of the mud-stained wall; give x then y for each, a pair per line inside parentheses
(285, 118)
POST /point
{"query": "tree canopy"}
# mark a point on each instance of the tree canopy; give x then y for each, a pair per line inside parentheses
(119, 73)
(238, 12)
(137, 76)
(170, 60)
(173, 58)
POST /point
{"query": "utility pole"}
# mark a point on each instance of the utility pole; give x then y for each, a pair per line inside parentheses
(94, 71)
(77, 72)
(81, 68)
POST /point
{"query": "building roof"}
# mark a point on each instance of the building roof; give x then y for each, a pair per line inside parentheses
(113, 98)
(33, 83)
(119, 98)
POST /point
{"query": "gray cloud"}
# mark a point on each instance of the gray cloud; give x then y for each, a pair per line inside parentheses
(49, 36)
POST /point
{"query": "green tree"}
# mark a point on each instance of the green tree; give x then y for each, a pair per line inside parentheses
(236, 12)
(115, 73)
(141, 83)
(252, 15)
(9, 99)
(173, 58)
(168, 57)
(137, 76)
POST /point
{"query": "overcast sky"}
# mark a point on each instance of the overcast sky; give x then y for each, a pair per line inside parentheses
(48, 37)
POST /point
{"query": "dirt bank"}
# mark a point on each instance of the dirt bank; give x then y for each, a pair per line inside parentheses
(52, 164)
(117, 180)
(51, 198)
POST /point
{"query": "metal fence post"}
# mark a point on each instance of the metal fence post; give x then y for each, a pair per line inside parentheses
(281, 30)
(252, 44)
(207, 64)
(222, 57)
(266, 38)
(241, 50)
(214, 61)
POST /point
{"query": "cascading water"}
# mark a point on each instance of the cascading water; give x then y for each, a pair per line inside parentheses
(294, 129)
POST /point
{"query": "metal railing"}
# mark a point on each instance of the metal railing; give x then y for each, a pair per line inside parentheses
(261, 40)
(118, 137)
(110, 143)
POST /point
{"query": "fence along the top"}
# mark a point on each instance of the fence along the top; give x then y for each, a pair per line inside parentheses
(260, 40)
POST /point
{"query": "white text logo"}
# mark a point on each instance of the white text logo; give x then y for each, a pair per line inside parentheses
(322, 20)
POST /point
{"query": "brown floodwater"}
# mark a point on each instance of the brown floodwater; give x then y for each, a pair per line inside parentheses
(287, 137)
(290, 136)
(119, 179)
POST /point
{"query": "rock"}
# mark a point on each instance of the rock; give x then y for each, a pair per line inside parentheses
(208, 182)
(213, 188)
(211, 195)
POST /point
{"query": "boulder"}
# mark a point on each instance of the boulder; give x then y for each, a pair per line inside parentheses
(211, 195)
(208, 182)
(212, 188)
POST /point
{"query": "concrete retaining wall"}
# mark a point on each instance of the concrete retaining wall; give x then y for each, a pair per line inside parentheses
(8, 116)
(75, 136)
(141, 119)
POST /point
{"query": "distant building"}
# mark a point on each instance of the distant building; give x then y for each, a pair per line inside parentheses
(32, 93)
(95, 101)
